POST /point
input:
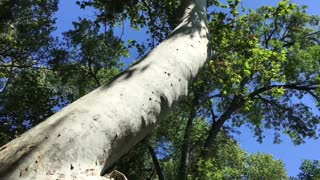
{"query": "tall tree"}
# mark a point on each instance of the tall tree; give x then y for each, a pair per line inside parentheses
(85, 139)
(260, 61)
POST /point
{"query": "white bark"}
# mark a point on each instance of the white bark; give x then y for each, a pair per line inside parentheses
(89, 135)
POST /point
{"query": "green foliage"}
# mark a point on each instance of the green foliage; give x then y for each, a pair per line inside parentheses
(263, 60)
(88, 59)
(38, 74)
(263, 166)
(228, 161)
(309, 170)
(264, 63)
(26, 96)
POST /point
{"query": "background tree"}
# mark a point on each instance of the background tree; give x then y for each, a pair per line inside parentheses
(86, 59)
(309, 169)
(25, 44)
(258, 83)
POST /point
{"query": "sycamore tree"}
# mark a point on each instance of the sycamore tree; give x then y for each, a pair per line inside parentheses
(89, 135)
(266, 63)
(255, 69)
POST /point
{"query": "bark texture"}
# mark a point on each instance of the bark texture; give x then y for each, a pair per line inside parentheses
(84, 139)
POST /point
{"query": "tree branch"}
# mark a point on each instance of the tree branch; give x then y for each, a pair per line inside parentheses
(156, 163)
(9, 78)
(272, 103)
(267, 38)
(210, 97)
(313, 95)
(92, 73)
(182, 174)
(287, 86)
(236, 103)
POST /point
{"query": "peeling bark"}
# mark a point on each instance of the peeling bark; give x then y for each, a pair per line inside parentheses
(88, 136)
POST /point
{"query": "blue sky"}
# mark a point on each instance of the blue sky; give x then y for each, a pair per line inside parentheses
(290, 154)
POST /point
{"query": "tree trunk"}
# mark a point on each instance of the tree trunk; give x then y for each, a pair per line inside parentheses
(216, 126)
(88, 136)
(185, 148)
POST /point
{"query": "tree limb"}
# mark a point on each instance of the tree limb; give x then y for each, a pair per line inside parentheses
(156, 163)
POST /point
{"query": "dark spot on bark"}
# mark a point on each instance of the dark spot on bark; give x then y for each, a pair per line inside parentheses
(114, 139)
(30, 147)
(71, 167)
(120, 94)
(149, 112)
(26, 169)
(171, 84)
(36, 161)
(20, 174)
(59, 135)
(150, 99)
(152, 92)
(179, 79)
(50, 172)
(96, 117)
(169, 74)
(165, 72)
(177, 49)
(96, 162)
(4, 147)
(46, 137)
(191, 45)
(89, 170)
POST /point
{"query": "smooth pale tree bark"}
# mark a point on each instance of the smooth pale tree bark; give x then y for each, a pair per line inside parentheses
(84, 139)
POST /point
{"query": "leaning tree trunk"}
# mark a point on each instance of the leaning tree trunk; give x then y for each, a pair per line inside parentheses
(88, 136)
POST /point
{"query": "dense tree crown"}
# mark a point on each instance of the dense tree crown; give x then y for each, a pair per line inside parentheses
(309, 170)
(264, 64)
